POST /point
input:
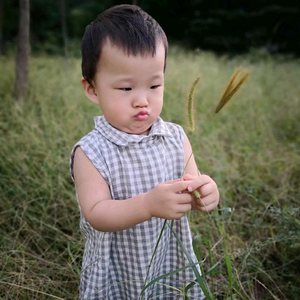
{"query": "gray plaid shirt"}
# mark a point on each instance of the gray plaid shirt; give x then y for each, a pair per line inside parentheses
(115, 264)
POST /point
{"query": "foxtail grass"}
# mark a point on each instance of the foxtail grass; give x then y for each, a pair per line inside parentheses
(232, 87)
(190, 105)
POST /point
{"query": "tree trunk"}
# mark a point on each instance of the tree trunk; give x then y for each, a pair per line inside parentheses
(64, 27)
(22, 59)
(1, 27)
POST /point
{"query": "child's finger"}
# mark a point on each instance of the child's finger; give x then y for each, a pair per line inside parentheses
(179, 186)
(188, 177)
(172, 181)
(183, 198)
(199, 181)
(206, 201)
(207, 189)
(207, 208)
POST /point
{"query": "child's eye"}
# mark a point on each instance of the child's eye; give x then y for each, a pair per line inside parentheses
(153, 87)
(127, 89)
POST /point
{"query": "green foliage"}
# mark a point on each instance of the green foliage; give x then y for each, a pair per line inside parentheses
(223, 26)
(251, 149)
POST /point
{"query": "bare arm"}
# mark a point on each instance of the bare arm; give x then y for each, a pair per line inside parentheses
(191, 167)
(105, 214)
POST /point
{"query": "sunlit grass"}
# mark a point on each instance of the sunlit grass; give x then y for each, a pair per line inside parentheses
(251, 148)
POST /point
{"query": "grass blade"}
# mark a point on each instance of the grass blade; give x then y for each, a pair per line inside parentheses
(199, 278)
(155, 249)
(229, 269)
(227, 212)
(194, 244)
(211, 270)
(164, 276)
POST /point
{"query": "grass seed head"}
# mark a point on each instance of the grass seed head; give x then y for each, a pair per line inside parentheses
(232, 87)
(190, 105)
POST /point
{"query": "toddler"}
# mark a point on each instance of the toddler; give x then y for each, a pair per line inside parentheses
(127, 170)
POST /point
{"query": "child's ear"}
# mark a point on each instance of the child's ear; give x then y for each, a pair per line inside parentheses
(89, 91)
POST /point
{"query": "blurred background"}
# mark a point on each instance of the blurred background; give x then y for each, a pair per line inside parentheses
(249, 247)
(219, 25)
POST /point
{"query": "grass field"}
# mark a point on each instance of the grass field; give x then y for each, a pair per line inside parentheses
(251, 148)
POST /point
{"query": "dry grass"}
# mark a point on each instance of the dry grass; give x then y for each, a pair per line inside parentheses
(251, 148)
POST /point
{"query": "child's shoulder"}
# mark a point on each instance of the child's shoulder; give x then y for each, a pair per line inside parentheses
(176, 130)
(91, 146)
(91, 142)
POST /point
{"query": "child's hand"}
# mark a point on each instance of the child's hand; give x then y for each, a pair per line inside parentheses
(207, 189)
(169, 200)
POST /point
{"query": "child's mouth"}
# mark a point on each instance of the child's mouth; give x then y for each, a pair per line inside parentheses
(142, 116)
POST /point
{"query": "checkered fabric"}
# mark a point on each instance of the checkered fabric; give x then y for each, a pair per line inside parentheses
(115, 264)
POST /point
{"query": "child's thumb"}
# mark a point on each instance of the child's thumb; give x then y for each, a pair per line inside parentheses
(187, 177)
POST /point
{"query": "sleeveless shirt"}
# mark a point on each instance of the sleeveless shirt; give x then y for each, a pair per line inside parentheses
(115, 264)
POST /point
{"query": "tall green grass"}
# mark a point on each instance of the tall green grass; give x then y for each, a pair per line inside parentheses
(251, 149)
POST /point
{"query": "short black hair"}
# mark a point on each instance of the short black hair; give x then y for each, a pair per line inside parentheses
(127, 27)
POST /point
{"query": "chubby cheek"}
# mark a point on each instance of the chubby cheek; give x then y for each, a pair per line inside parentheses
(158, 111)
(158, 104)
(109, 101)
(159, 108)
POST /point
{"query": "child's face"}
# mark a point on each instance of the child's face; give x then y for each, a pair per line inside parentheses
(129, 89)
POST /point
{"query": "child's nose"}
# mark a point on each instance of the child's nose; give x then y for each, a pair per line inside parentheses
(140, 101)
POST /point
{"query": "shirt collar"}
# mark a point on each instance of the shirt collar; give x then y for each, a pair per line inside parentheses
(120, 138)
